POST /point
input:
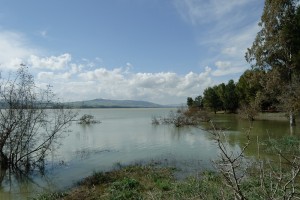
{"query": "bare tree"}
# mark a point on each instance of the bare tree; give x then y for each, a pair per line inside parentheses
(231, 164)
(267, 178)
(31, 120)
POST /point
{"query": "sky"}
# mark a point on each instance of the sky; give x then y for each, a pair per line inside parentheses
(161, 51)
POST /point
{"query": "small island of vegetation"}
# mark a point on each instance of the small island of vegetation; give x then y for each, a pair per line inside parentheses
(88, 119)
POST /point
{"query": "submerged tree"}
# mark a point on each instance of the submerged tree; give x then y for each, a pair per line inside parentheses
(276, 50)
(30, 121)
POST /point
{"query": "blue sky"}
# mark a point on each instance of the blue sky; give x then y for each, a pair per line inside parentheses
(154, 50)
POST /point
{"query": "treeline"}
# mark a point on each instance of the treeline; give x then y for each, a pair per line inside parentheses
(232, 96)
(273, 83)
(219, 97)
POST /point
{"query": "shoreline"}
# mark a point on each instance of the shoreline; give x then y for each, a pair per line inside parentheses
(150, 181)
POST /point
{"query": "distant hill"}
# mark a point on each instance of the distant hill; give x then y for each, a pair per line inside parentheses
(107, 103)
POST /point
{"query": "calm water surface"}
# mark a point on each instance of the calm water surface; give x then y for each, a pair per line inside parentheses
(127, 136)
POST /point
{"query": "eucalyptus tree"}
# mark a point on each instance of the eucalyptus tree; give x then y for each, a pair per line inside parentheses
(276, 50)
(31, 121)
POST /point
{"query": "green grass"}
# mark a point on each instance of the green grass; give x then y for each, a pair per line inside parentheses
(143, 182)
(152, 182)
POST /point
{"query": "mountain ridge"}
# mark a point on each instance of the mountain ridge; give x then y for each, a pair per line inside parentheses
(109, 103)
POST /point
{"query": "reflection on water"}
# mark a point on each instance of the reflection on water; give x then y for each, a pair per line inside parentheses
(260, 130)
(127, 136)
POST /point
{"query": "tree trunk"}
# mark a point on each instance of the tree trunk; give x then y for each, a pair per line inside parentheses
(3, 160)
(2, 174)
(292, 119)
(292, 130)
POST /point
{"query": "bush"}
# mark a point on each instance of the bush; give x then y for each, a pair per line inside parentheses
(183, 117)
(127, 188)
(87, 119)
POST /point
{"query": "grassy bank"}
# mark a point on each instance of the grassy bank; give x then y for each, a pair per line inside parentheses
(152, 182)
(143, 182)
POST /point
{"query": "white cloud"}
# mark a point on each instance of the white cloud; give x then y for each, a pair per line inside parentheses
(121, 83)
(153, 80)
(223, 64)
(51, 63)
(51, 76)
(102, 75)
(227, 67)
(81, 81)
(236, 44)
(14, 49)
(204, 11)
(230, 51)
(45, 75)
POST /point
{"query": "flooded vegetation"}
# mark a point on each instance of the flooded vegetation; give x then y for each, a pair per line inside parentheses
(103, 147)
(183, 117)
(201, 151)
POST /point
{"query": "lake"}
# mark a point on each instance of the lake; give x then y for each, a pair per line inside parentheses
(127, 136)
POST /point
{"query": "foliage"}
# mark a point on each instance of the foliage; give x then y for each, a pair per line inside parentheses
(50, 196)
(148, 182)
(221, 92)
(127, 188)
(273, 83)
(221, 97)
(211, 99)
(28, 126)
(260, 178)
(249, 84)
(95, 179)
(87, 119)
(183, 117)
(230, 97)
(190, 102)
(288, 145)
(231, 164)
(255, 91)
(197, 103)
(276, 50)
(274, 45)
(248, 111)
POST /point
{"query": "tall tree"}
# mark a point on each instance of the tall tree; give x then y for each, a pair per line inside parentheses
(211, 99)
(190, 102)
(231, 102)
(249, 84)
(221, 93)
(276, 49)
(198, 102)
